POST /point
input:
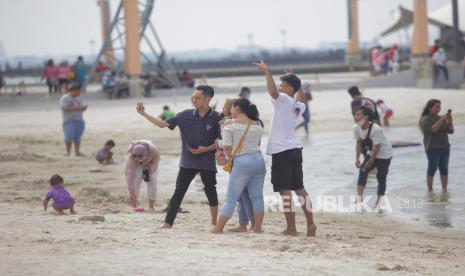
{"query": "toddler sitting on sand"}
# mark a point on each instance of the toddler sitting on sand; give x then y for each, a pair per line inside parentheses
(105, 155)
(62, 200)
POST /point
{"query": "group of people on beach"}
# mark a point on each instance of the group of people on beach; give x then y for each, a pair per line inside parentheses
(115, 84)
(232, 139)
(377, 150)
(204, 140)
(208, 137)
(58, 77)
(384, 61)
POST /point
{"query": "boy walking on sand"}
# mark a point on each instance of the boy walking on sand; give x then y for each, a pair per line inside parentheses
(286, 151)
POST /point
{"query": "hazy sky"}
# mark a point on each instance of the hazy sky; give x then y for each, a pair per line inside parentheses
(60, 27)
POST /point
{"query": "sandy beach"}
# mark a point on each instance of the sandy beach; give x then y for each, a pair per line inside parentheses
(38, 243)
(35, 242)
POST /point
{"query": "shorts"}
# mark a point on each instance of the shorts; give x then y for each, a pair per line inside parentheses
(438, 158)
(73, 131)
(286, 170)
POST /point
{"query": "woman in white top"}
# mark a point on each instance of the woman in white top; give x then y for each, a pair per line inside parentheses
(244, 209)
(249, 170)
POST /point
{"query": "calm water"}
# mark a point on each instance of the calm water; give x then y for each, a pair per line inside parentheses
(27, 80)
(329, 171)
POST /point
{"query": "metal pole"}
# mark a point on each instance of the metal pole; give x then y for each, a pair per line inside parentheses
(352, 48)
(132, 54)
(105, 17)
(455, 18)
(420, 62)
(420, 28)
(353, 43)
(106, 45)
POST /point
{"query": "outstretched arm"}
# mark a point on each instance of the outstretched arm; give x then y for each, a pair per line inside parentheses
(159, 123)
(270, 84)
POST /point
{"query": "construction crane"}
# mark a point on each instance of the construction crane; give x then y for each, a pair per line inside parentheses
(119, 51)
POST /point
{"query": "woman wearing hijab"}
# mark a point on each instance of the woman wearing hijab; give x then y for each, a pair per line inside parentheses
(142, 162)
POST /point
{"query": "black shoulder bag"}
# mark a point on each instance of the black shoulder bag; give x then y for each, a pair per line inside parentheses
(367, 143)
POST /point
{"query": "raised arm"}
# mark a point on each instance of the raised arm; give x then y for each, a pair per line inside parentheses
(437, 126)
(270, 84)
(450, 123)
(159, 123)
(300, 95)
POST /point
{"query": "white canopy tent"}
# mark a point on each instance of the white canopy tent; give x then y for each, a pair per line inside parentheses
(444, 14)
(441, 18)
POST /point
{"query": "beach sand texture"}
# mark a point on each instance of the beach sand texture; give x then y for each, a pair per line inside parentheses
(35, 242)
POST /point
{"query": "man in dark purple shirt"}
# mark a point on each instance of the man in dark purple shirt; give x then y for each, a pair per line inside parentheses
(359, 101)
(199, 129)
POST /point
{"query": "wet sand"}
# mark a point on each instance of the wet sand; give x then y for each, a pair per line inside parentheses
(36, 242)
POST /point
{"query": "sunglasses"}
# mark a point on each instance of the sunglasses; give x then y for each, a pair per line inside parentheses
(137, 155)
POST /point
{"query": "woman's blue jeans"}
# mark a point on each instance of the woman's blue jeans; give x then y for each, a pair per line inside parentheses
(248, 174)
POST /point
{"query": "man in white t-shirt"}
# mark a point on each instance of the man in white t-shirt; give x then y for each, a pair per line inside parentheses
(377, 150)
(440, 64)
(286, 151)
